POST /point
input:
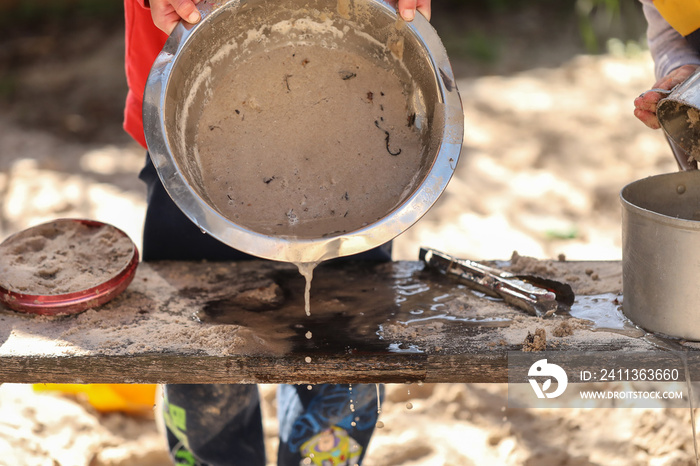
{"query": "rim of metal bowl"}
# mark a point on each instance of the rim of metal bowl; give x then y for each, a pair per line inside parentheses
(290, 249)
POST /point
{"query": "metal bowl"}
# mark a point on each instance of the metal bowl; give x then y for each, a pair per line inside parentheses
(661, 253)
(184, 74)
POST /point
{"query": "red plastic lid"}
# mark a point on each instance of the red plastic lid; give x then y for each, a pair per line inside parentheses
(115, 272)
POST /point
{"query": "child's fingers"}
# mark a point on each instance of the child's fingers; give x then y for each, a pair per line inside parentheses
(675, 77)
(648, 101)
(648, 118)
(187, 10)
(645, 109)
(407, 9)
(669, 82)
(164, 17)
(168, 13)
(424, 7)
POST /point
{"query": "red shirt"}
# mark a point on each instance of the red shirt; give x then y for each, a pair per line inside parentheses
(144, 42)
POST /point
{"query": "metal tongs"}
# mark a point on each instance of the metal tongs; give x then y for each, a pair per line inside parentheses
(538, 296)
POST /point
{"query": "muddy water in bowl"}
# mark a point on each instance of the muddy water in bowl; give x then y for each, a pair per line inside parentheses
(314, 142)
(661, 253)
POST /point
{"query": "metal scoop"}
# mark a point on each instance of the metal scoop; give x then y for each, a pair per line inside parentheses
(679, 116)
(536, 295)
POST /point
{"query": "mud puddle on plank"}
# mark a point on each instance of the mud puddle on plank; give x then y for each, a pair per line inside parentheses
(352, 303)
(605, 313)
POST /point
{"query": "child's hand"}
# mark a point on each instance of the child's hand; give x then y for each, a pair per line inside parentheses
(167, 13)
(407, 8)
(645, 104)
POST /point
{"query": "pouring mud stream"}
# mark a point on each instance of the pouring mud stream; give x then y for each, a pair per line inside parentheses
(306, 269)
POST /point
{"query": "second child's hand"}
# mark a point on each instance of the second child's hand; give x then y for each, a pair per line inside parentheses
(645, 105)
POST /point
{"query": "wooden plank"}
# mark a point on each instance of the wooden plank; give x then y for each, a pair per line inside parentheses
(244, 322)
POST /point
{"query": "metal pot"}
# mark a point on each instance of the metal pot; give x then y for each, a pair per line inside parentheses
(661, 253)
(184, 72)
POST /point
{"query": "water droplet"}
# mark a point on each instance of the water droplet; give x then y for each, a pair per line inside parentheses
(380, 425)
(409, 405)
(307, 359)
(379, 400)
(309, 335)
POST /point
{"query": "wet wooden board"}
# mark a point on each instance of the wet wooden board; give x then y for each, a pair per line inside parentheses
(181, 322)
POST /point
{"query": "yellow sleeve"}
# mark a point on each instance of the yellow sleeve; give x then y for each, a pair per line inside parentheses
(682, 15)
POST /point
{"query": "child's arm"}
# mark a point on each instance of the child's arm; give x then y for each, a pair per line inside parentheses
(675, 60)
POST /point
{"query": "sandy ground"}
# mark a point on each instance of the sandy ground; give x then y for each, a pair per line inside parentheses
(546, 152)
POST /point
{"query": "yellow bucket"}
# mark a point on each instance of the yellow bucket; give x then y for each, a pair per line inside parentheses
(105, 398)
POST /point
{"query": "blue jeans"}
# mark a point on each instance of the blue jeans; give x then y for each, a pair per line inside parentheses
(221, 424)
